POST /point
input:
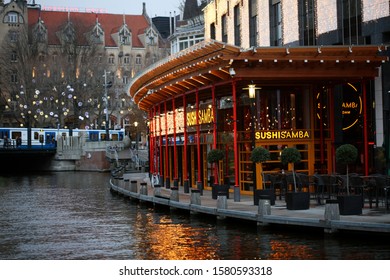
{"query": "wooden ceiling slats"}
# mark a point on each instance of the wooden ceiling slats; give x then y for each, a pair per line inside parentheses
(208, 63)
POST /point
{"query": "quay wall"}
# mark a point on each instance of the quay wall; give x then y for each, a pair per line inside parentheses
(263, 215)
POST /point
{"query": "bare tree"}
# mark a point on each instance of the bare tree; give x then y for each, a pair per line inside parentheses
(61, 85)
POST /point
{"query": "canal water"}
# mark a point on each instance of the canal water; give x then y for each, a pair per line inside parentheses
(61, 216)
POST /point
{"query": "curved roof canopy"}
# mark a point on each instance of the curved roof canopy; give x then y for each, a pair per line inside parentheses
(212, 62)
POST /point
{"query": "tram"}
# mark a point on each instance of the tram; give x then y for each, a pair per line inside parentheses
(47, 137)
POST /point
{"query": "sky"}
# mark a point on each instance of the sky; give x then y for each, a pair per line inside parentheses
(134, 7)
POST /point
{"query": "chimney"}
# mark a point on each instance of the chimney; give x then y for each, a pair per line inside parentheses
(144, 8)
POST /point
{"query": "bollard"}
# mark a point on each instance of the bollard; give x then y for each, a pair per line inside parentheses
(186, 186)
(133, 186)
(264, 208)
(120, 182)
(221, 203)
(157, 190)
(332, 213)
(167, 183)
(221, 200)
(174, 194)
(175, 182)
(199, 185)
(126, 183)
(237, 194)
(143, 189)
(195, 197)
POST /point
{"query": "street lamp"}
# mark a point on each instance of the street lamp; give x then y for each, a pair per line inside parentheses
(106, 85)
(252, 96)
(136, 136)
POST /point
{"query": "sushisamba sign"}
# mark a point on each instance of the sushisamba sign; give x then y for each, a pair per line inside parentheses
(282, 135)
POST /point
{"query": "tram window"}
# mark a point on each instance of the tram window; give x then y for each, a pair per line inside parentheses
(36, 135)
(16, 134)
(93, 137)
(114, 137)
(103, 136)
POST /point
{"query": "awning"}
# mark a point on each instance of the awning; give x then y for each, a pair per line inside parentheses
(212, 62)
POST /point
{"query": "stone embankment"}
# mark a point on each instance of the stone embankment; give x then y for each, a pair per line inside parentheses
(324, 217)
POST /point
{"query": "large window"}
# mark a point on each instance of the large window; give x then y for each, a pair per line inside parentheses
(224, 29)
(276, 23)
(237, 26)
(126, 60)
(212, 31)
(13, 36)
(14, 56)
(253, 23)
(350, 21)
(14, 77)
(307, 22)
(111, 59)
(138, 59)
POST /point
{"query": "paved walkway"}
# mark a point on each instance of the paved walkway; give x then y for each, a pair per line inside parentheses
(372, 220)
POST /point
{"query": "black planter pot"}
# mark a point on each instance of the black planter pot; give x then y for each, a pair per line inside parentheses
(264, 194)
(211, 181)
(298, 200)
(215, 189)
(350, 204)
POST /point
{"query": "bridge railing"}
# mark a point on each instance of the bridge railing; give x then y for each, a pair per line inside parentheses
(70, 147)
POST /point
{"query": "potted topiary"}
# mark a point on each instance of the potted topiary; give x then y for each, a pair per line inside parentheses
(213, 157)
(260, 155)
(296, 200)
(348, 204)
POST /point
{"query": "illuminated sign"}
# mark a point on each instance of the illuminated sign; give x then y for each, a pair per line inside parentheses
(74, 10)
(205, 116)
(351, 107)
(282, 135)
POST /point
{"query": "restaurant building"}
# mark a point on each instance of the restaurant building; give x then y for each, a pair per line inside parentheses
(236, 92)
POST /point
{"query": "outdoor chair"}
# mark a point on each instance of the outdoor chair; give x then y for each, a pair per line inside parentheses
(278, 184)
(382, 188)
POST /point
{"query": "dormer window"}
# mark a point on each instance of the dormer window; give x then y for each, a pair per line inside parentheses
(124, 35)
(97, 34)
(13, 18)
(151, 37)
(69, 33)
(40, 32)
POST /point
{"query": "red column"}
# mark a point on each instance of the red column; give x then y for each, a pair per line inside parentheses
(321, 124)
(365, 129)
(198, 138)
(332, 135)
(215, 135)
(174, 141)
(185, 138)
(235, 140)
(161, 142)
(151, 145)
(166, 145)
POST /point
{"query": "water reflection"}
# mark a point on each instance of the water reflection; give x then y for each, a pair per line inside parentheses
(74, 216)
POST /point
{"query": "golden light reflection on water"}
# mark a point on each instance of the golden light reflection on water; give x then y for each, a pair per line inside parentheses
(168, 239)
(281, 250)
